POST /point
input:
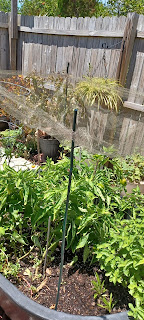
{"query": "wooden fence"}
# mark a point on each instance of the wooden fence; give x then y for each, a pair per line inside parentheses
(110, 47)
(82, 42)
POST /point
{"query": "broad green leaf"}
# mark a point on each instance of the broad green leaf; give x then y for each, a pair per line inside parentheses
(83, 241)
(18, 238)
(2, 231)
(60, 202)
(140, 262)
(82, 210)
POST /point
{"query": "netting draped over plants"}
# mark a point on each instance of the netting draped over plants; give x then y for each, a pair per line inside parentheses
(103, 121)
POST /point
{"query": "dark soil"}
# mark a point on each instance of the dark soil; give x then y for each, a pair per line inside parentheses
(76, 293)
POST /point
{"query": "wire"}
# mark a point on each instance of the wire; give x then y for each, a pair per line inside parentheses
(115, 45)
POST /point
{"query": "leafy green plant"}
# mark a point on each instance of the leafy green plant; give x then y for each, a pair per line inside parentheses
(133, 167)
(101, 91)
(107, 304)
(121, 256)
(18, 194)
(15, 143)
(8, 268)
(100, 292)
(101, 224)
(27, 199)
(136, 312)
(98, 286)
(11, 142)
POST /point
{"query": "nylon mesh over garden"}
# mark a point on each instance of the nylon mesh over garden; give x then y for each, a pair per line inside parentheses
(104, 225)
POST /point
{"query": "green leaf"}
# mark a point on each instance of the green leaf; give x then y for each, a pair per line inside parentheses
(86, 253)
(26, 194)
(74, 260)
(18, 238)
(60, 202)
(140, 262)
(82, 241)
(99, 193)
(82, 210)
(2, 231)
(36, 242)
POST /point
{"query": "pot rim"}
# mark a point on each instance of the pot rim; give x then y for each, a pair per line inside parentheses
(15, 303)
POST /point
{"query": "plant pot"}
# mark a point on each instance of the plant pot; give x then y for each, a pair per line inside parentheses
(49, 147)
(3, 123)
(19, 307)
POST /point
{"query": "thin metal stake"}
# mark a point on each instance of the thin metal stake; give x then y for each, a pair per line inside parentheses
(48, 234)
(66, 210)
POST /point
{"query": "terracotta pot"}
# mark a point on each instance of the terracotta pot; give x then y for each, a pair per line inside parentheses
(18, 307)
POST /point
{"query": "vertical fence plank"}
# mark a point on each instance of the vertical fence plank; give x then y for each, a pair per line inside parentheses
(127, 47)
(60, 43)
(13, 35)
(137, 84)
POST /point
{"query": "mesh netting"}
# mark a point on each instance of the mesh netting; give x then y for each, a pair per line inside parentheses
(49, 105)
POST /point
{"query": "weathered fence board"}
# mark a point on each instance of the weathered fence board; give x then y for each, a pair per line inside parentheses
(84, 43)
(136, 94)
(138, 47)
(4, 41)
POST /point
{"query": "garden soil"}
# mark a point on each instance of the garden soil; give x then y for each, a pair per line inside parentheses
(76, 293)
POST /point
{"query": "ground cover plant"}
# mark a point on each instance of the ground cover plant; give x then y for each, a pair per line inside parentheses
(133, 167)
(102, 225)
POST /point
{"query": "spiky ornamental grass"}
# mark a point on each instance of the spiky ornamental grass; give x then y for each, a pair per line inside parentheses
(104, 92)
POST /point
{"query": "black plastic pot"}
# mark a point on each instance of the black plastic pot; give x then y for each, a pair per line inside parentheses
(3, 123)
(18, 307)
(49, 147)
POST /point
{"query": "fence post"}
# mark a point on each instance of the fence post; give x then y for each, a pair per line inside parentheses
(13, 35)
(127, 47)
